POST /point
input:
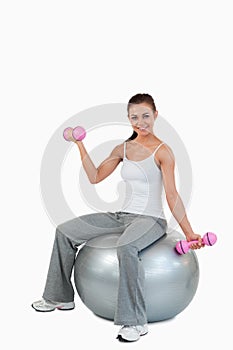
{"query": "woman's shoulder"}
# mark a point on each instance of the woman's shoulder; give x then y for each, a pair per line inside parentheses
(164, 146)
(165, 152)
(118, 150)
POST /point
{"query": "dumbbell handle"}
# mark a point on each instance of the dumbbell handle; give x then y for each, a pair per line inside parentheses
(193, 242)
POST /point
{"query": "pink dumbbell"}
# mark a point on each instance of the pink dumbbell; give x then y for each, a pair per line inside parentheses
(76, 134)
(183, 246)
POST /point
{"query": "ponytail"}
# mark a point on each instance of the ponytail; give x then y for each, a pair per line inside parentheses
(133, 136)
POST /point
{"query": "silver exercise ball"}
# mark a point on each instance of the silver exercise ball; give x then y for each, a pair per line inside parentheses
(171, 279)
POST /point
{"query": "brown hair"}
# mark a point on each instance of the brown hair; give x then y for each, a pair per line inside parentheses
(137, 99)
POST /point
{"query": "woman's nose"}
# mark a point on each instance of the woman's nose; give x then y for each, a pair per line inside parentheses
(141, 122)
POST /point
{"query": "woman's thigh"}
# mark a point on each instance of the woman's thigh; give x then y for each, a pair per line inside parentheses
(142, 232)
(92, 225)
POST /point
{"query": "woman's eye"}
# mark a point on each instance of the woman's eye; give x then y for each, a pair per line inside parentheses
(146, 115)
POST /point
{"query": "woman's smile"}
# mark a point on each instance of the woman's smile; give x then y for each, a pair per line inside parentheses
(142, 127)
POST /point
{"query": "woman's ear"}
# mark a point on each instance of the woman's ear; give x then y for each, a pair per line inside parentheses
(155, 115)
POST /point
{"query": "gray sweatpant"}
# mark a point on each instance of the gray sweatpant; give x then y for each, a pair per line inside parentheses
(137, 232)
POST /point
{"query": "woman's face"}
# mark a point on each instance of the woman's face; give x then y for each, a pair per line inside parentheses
(142, 118)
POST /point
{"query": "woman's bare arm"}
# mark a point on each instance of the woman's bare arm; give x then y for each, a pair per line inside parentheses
(96, 175)
(167, 163)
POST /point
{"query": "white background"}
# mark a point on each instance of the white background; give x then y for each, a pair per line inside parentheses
(61, 57)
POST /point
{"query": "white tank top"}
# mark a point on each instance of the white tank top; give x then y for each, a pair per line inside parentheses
(143, 181)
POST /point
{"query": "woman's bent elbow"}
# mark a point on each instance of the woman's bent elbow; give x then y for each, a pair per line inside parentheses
(93, 181)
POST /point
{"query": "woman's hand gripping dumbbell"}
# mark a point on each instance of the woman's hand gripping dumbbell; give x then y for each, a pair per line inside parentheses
(183, 246)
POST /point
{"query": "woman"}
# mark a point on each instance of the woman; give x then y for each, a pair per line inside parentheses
(148, 164)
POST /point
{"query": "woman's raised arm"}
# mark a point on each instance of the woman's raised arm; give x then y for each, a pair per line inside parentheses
(96, 175)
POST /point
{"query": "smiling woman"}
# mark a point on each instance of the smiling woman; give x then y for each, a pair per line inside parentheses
(147, 165)
(142, 114)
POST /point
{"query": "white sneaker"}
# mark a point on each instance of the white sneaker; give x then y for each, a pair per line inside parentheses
(47, 305)
(132, 333)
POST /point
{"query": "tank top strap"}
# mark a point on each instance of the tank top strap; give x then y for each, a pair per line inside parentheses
(124, 149)
(157, 148)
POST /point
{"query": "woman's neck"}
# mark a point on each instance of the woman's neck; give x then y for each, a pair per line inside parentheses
(146, 140)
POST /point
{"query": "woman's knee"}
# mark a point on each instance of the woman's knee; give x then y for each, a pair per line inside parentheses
(126, 250)
(60, 230)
